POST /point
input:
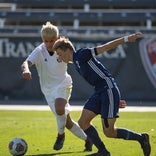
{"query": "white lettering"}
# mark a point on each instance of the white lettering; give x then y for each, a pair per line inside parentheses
(30, 47)
(2, 41)
(23, 49)
(16, 49)
(20, 50)
(10, 49)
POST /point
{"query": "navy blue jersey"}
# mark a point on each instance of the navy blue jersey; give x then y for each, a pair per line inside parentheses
(91, 69)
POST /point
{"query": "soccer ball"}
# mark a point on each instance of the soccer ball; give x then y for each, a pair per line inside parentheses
(18, 147)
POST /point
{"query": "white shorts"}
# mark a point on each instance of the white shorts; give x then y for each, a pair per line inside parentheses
(59, 92)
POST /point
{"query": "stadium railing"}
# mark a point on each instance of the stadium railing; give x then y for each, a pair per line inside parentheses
(88, 18)
(80, 3)
(92, 32)
(82, 15)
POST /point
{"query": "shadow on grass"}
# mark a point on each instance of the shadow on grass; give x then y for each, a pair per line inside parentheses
(53, 154)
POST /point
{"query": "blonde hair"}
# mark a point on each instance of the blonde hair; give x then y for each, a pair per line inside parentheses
(49, 30)
(63, 43)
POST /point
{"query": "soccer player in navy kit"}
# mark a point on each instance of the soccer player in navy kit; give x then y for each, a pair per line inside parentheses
(106, 97)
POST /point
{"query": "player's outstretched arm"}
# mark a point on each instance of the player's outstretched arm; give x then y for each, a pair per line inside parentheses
(114, 43)
(26, 74)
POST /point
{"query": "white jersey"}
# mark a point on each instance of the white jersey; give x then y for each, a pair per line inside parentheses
(52, 72)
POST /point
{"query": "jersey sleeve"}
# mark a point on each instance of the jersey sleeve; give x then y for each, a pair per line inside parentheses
(93, 51)
(33, 57)
(86, 54)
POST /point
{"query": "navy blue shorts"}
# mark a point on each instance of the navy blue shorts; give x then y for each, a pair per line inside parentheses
(104, 102)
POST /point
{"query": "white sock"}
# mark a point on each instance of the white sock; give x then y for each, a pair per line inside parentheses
(77, 131)
(61, 123)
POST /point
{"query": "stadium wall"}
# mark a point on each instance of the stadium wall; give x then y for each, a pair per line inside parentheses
(133, 65)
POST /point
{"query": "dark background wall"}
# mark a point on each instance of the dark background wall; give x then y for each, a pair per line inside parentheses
(133, 65)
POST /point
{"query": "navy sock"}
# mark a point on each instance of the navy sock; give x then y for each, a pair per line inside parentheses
(128, 135)
(93, 135)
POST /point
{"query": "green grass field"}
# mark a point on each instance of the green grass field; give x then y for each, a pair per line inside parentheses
(38, 128)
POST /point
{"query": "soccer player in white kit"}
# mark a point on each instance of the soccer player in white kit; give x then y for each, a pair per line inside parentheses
(55, 83)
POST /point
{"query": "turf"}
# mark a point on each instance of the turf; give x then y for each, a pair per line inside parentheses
(38, 128)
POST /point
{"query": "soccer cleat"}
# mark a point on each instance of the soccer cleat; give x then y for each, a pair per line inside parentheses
(145, 144)
(88, 145)
(59, 142)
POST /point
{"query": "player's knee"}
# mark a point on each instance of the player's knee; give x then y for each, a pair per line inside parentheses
(110, 133)
(81, 123)
(60, 110)
(60, 106)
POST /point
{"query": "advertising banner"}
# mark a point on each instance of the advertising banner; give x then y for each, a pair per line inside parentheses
(133, 65)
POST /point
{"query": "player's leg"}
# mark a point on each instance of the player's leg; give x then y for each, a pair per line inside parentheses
(126, 134)
(112, 101)
(62, 109)
(61, 118)
(111, 131)
(61, 95)
(57, 104)
(84, 122)
(74, 128)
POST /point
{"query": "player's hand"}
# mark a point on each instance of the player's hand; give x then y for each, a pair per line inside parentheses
(26, 75)
(133, 37)
(122, 104)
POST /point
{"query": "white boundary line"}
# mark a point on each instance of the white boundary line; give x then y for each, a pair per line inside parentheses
(73, 108)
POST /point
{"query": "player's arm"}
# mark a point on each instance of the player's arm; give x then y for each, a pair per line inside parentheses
(26, 73)
(114, 43)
